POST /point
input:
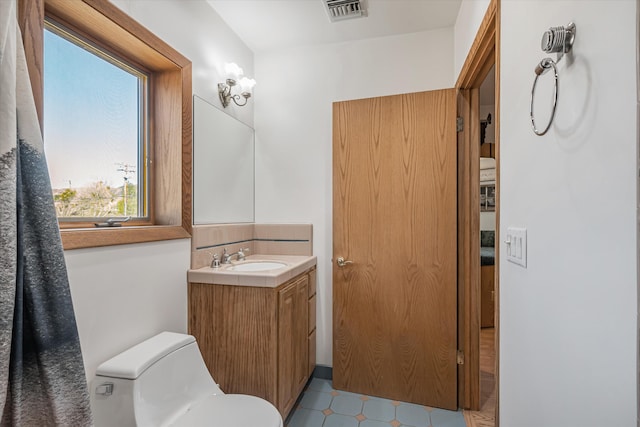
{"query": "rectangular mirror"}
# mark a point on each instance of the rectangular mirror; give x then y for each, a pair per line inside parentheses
(223, 166)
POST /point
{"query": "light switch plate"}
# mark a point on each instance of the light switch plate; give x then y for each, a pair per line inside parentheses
(516, 242)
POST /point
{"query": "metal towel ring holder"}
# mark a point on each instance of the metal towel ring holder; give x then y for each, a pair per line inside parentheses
(556, 40)
(542, 68)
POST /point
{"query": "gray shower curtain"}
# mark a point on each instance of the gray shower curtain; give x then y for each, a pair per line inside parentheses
(42, 378)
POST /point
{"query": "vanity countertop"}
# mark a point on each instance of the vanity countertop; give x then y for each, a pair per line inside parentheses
(296, 265)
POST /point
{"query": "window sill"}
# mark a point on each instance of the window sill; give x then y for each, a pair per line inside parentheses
(79, 238)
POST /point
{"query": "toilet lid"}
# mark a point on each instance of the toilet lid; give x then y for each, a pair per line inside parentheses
(231, 410)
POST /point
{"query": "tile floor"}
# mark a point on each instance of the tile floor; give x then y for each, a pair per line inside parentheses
(322, 406)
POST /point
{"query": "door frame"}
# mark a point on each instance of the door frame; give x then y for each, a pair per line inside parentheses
(483, 54)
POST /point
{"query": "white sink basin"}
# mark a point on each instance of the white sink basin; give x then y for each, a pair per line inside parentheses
(258, 266)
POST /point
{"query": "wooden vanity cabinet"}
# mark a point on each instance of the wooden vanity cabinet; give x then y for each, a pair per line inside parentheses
(255, 340)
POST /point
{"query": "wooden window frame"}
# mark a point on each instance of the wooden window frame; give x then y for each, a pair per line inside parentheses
(170, 119)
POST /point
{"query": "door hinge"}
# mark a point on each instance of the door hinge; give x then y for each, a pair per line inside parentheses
(460, 357)
(459, 124)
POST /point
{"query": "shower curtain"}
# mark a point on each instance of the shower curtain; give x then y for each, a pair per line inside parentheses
(42, 378)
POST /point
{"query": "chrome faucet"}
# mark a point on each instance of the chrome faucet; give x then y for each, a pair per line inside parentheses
(226, 257)
(215, 261)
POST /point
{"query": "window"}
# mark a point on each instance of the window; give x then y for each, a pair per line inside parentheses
(95, 130)
(158, 167)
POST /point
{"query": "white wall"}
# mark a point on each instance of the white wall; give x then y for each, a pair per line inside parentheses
(568, 321)
(468, 21)
(123, 294)
(294, 128)
(195, 30)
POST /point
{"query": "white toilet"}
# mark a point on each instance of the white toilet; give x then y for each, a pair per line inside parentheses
(163, 381)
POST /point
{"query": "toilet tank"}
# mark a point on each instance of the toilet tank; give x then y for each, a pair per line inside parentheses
(152, 383)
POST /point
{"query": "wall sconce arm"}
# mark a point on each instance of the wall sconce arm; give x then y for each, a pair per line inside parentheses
(224, 91)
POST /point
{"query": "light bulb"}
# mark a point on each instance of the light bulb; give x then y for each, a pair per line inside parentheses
(232, 70)
(246, 84)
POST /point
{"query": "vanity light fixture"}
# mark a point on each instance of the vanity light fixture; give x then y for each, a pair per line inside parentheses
(234, 78)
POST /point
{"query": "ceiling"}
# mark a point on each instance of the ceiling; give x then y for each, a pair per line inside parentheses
(276, 24)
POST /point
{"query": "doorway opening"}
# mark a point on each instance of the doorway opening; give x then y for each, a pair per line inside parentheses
(485, 415)
(369, 231)
(478, 279)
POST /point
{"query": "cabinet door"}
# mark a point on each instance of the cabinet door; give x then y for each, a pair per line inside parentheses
(236, 328)
(301, 332)
(292, 343)
(312, 322)
(312, 352)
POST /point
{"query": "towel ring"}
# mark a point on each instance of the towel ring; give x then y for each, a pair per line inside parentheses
(542, 68)
(555, 40)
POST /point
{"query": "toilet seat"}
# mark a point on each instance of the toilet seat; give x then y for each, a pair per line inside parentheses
(231, 410)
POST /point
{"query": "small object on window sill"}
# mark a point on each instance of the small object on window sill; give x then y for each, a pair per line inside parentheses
(112, 222)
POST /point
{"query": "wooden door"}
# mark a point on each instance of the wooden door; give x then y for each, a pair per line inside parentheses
(394, 217)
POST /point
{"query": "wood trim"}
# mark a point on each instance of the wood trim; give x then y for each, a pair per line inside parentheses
(31, 22)
(96, 237)
(139, 31)
(479, 60)
(167, 155)
(105, 22)
(187, 148)
(469, 249)
(482, 55)
(463, 381)
(487, 297)
(169, 104)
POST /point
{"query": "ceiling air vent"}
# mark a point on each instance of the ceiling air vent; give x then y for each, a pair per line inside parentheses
(339, 10)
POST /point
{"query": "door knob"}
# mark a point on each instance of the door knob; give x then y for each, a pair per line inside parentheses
(341, 262)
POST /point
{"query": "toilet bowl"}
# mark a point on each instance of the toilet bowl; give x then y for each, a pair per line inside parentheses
(163, 381)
